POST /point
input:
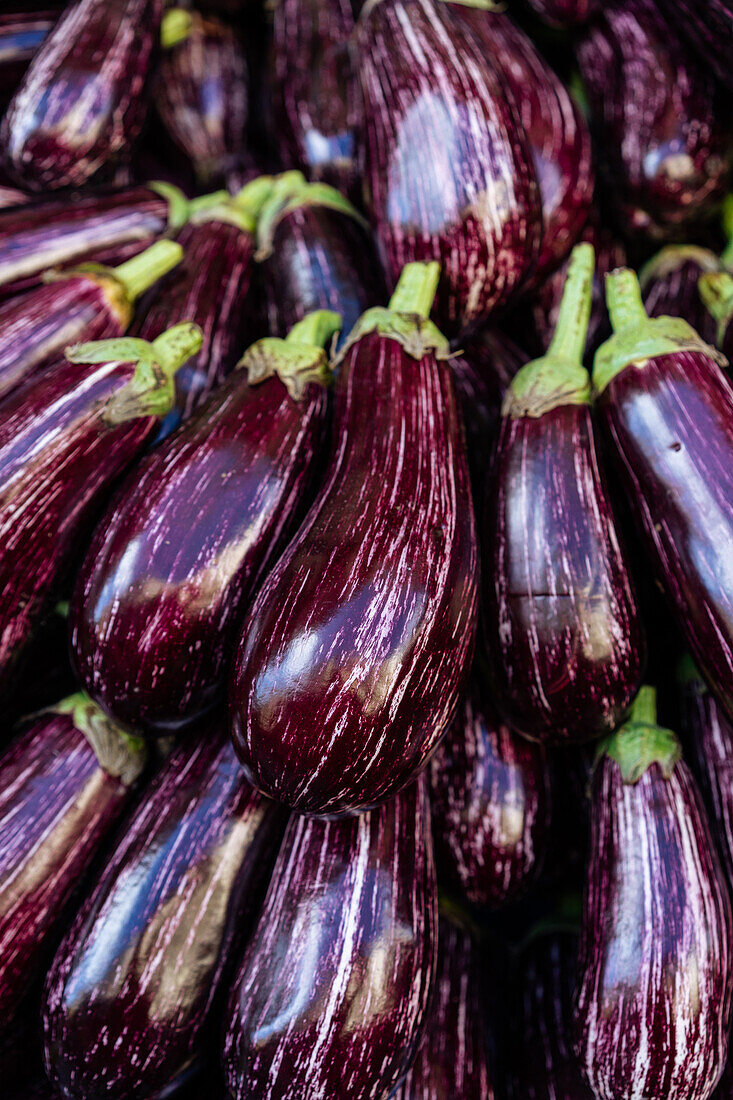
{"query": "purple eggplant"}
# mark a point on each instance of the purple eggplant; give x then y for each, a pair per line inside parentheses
(65, 435)
(139, 979)
(652, 1010)
(22, 33)
(82, 102)
(353, 655)
(669, 286)
(332, 994)
(174, 560)
(565, 13)
(11, 196)
(709, 26)
(661, 140)
(562, 629)
(716, 291)
(449, 171)
(490, 799)
(667, 407)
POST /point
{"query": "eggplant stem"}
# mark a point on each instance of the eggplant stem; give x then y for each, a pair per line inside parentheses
(644, 707)
(571, 330)
(623, 298)
(726, 256)
(176, 26)
(416, 288)
(640, 742)
(253, 196)
(144, 270)
(119, 753)
(316, 328)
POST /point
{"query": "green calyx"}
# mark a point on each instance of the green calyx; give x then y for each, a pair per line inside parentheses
(726, 256)
(144, 270)
(559, 377)
(180, 208)
(716, 291)
(151, 390)
(120, 754)
(297, 360)
(672, 257)
(640, 742)
(289, 191)
(176, 26)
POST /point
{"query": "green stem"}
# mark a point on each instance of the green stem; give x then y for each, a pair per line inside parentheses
(119, 753)
(316, 329)
(716, 291)
(175, 27)
(416, 288)
(568, 339)
(253, 196)
(726, 256)
(644, 707)
(623, 298)
(205, 202)
(688, 673)
(640, 742)
(142, 271)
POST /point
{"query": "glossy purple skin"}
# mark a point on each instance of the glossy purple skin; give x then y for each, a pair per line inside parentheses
(21, 35)
(314, 89)
(669, 289)
(353, 656)
(564, 641)
(332, 995)
(138, 981)
(708, 24)
(98, 57)
(161, 592)
(652, 1008)
(565, 13)
(660, 138)
(490, 799)
(449, 173)
(671, 432)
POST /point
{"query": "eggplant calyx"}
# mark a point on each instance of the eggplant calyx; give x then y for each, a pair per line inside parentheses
(716, 291)
(121, 755)
(640, 742)
(176, 26)
(672, 257)
(297, 360)
(726, 256)
(178, 204)
(289, 192)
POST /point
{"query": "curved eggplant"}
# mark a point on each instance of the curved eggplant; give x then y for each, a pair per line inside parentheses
(449, 172)
(352, 658)
(65, 435)
(565, 13)
(668, 410)
(332, 995)
(669, 286)
(22, 33)
(490, 800)
(138, 981)
(174, 560)
(716, 292)
(653, 1002)
(562, 629)
(709, 25)
(82, 102)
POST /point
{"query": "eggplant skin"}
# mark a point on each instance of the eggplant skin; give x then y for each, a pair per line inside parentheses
(565, 13)
(709, 26)
(21, 35)
(653, 1001)
(356, 648)
(669, 287)
(449, 172)
(332, 994)
(490, 800)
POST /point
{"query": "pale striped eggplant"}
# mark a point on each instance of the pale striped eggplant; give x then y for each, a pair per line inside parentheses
(332, 995)
(353, 656)
(22, 33)
(652, 1011)
(709, 26)
(669, 286)
(716, 291)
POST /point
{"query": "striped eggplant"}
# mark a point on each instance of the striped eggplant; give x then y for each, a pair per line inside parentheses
(449, 172)
(138, 981)
(653, 1001)
(565, 13)
(76, 305)
(669, 286)
(82, 102)
(716, 291)
(661, 140)
(201, 92)
(563, 637)
(22, 33)
(353, 655)
(667, 408)
(11, 196)
(174, 560)
(709, 26)
(490, 801)
(332, 994)
(65, 435)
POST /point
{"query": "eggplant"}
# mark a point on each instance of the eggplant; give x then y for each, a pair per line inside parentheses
(661, 140)
(135, 990)
(65, 435)
(82, 102)
(201, 92)
(332, 993)
(653, 1001)
(563, 637)
(716, 291)
(490, 801)
(354, 652)
(75, 306)
(161, 591)
(565, 13)
(11, 196)
(709, 26)
(669, 286)
(22, 33)
(449, 173)
(667, 408)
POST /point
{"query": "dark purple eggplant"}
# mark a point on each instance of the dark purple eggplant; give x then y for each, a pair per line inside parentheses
(332, 995)
(176, 557)
(75, 306)
(667, 407)
(565, 13)
(716, 291)
(490, 799)
(669, 286)
(653, 1001)
(563, 637)
(139, 979)
(661, 140)
(449, 172)
(65, 435)
(708, 25)
(201, 93)
(82, 102)
(22, 33)
(353, 655)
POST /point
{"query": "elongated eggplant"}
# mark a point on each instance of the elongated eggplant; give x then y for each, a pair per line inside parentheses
(77, 305)
(138, 981)
(669, 286)
(661, 141)
(65, 435)
(565, 13)
(716, 291)
(174, 560)
(22, 33)
(332, 994)
(653, 1001)
(353, 655)
(667, 407)
(11, 196)
(709, 26)
(82, 102)
(562, 629)
(449, 171)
